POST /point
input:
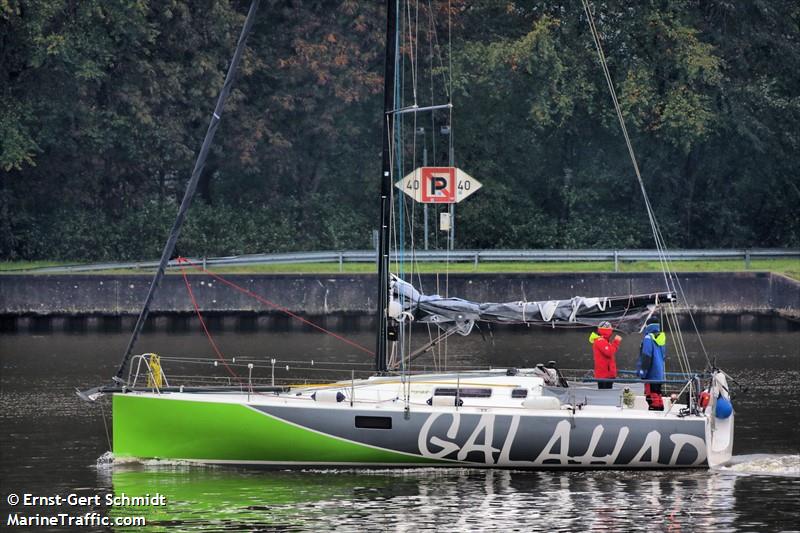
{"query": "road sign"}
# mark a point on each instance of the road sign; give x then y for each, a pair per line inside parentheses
(438, 185)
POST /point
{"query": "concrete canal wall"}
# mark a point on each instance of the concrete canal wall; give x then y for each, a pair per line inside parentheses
(113, 299)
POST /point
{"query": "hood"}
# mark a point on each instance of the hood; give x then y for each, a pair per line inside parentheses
(605, 332)
(652, 328)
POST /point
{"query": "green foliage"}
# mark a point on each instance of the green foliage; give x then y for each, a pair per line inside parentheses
(17, 147)
(103, 105)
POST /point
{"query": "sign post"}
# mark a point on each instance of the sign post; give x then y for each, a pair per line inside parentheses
(439, 185)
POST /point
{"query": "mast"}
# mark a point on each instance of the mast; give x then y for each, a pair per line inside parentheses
(386, 186)
(169, 247)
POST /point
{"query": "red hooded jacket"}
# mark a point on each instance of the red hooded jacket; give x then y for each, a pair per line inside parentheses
(605, 364)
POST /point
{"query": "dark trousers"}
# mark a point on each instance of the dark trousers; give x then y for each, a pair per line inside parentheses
(605, 384)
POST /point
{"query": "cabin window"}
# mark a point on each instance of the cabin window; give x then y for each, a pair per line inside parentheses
(519, 393)
(464, 392)
(374, 422)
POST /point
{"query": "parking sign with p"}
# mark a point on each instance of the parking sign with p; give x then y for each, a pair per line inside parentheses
(438, 185)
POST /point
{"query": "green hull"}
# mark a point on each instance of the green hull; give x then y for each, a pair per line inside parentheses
(228, 432)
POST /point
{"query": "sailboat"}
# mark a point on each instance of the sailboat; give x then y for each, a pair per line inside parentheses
(522, 418)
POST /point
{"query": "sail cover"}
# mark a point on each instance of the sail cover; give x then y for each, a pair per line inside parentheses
(625, 313)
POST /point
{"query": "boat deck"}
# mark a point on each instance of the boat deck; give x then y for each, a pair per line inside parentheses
(472, 392)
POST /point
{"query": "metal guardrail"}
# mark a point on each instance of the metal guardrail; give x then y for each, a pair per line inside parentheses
(460, 256)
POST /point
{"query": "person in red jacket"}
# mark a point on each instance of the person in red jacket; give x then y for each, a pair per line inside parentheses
(604, 350)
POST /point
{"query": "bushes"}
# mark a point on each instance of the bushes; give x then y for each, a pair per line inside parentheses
(74, 234)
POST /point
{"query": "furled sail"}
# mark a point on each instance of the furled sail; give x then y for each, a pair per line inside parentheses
(626, 313)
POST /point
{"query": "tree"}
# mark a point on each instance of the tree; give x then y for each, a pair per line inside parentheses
(103, 106)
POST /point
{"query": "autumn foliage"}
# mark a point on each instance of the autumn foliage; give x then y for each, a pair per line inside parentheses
(103, 105)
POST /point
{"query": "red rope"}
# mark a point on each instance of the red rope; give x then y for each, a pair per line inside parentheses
(273, 305)
(203, 323)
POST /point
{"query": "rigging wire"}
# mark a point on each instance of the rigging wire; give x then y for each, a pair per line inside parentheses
(402, 216)
(397, 216)
(217, 351)
(451, 145)
(412, 53)
(438, 48)
(450, 152)
(670, 279)
(405, 325)
(431, 35)
(243, 290)
(105, 425)
(191, 187)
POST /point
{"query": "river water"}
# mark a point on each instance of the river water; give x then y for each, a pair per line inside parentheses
(50, 443)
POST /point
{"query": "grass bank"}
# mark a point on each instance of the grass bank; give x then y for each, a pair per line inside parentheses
(788, 267)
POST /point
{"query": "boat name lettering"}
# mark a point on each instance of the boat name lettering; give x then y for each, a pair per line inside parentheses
(555, 452)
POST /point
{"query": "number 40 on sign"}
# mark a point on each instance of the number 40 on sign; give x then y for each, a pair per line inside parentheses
(438, 185)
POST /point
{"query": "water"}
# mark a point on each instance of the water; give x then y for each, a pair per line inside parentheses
(51, 441)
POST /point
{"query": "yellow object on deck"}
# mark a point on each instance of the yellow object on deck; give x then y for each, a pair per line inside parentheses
(155, 377)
